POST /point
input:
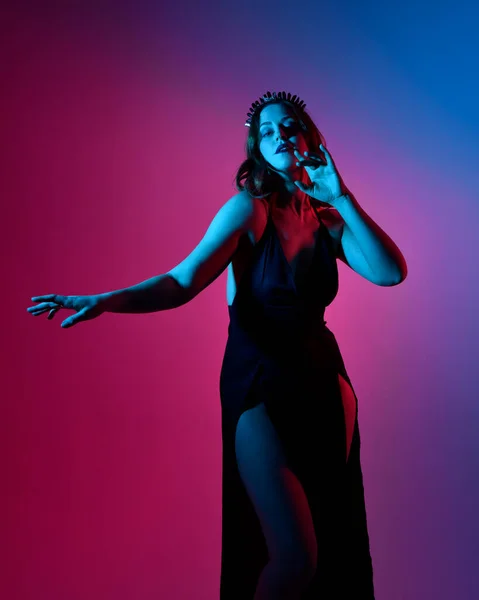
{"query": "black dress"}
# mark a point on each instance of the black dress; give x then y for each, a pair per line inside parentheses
(280, 352)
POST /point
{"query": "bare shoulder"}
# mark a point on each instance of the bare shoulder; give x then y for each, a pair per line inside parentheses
(257, 211)
(241, 203)
(217, 247)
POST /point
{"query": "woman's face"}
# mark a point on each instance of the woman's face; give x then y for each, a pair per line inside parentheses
(278, 124)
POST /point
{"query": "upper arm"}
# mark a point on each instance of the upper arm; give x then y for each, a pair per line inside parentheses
(349, 252)
(216, 249)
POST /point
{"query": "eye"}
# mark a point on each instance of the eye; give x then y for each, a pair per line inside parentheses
(293, 126)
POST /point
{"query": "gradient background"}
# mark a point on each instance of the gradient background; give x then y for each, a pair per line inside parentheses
(122, 128)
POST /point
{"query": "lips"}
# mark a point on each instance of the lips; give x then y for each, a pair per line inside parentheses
(283, 147)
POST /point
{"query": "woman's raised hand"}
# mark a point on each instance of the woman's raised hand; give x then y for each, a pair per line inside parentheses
(86, 307)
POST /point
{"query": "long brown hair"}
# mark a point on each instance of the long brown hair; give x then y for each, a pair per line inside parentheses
(253, 174)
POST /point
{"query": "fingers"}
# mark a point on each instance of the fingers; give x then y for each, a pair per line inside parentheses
(80, 316)
(52, 313)
(62, 300)
(329, 159)
(308, 163)
(311, 160)
(304, 188)
(52, 303)
(48, 302)
(315, 156)
(47, 298)
(327, 156)
(43, 307)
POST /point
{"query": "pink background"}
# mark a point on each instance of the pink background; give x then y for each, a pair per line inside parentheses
(122, 128)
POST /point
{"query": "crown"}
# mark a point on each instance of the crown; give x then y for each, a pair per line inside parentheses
(265, 98)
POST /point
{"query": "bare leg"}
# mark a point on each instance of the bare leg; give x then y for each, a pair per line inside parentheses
(277, 583)
(349, 407)
(281, 505)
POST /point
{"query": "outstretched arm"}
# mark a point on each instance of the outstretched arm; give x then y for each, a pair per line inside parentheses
(174, 288)
(161, 292)
(193, 274)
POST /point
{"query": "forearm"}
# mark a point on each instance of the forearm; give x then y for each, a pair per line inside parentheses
(162, 292)
(379, 250)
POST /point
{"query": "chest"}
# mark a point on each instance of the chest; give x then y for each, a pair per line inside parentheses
(296, 243)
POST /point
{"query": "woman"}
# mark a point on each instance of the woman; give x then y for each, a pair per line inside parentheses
(294, 520)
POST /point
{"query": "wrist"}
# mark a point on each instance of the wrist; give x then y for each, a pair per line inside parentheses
(109, 300)
(341, 201)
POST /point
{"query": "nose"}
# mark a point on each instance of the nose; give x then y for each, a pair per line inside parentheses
(280, 134)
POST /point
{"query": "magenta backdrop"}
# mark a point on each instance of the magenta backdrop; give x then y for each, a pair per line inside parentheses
(122, 128)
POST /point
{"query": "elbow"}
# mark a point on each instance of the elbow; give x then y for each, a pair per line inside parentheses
(396, 274)
(402, 273)
(394, 279)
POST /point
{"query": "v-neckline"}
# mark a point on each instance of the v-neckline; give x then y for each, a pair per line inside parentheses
(288, 266)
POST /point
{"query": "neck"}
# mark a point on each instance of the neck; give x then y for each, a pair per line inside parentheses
(293, 198)
(289, 195)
